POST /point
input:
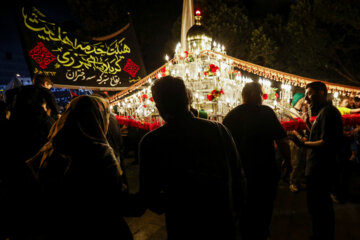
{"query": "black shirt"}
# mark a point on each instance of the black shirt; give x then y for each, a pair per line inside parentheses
(328, 127)
(254, 129)
(188, 169)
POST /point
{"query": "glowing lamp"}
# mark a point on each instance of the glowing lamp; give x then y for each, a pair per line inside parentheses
(197, 12)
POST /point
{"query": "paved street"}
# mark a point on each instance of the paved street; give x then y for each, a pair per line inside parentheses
(290, 219)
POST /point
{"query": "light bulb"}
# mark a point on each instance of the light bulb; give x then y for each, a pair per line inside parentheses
(166, 57)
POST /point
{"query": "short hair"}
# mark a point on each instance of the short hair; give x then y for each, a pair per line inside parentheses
(170, 92)
(40, 80)
(251, 89)
(317, 86)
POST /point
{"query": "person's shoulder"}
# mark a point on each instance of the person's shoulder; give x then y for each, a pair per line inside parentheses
(238, 108)
(236, 111)
(26, 88)
(205, 122)
(266, 108)
(153, 135)
(332, 110)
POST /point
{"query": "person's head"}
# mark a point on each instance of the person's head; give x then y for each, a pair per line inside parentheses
(351, 102)
(357, 102)
(86, 120)
(102, 95)
(80, 130)
(252, 93)
(42, 81)
(170, 96)
(344, 102)
(315, 95)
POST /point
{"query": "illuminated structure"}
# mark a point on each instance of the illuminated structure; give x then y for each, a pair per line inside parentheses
(198, 38)
(216, 80)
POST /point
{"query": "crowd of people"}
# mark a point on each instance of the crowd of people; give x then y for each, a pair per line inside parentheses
(63, 176)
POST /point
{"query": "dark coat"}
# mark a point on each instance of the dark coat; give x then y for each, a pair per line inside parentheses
(190, 170)
(79, 178)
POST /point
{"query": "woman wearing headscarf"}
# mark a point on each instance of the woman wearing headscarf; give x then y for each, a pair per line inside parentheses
(82, 188)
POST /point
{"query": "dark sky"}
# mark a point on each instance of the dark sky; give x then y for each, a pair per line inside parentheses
(144, 13)
(156, 18)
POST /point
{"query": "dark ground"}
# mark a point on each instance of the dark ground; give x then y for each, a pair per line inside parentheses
(290, 220)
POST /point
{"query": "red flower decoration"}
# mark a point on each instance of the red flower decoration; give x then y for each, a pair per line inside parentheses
(151, 99)
(276, 95)
(144, 96)
(265, 96)
(214, 69)
(163, 70)
(215, 94)
(186, 54)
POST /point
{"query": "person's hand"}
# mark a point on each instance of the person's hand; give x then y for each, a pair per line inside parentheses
(296, 140)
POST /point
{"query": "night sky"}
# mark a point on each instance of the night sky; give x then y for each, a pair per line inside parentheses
(153, 22)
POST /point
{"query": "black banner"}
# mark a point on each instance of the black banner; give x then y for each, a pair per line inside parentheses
(108, 63)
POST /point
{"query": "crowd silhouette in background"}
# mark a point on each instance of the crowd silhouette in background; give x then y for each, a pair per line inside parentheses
(63, 176)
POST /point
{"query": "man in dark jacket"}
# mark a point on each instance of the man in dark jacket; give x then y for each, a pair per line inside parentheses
(255, 127)
(190, 170)
(324, 145)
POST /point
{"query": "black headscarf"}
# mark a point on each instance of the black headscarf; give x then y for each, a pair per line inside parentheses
(82, 128)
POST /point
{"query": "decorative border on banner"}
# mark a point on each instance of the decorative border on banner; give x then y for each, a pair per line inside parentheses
(112, 35)
(90, 88)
